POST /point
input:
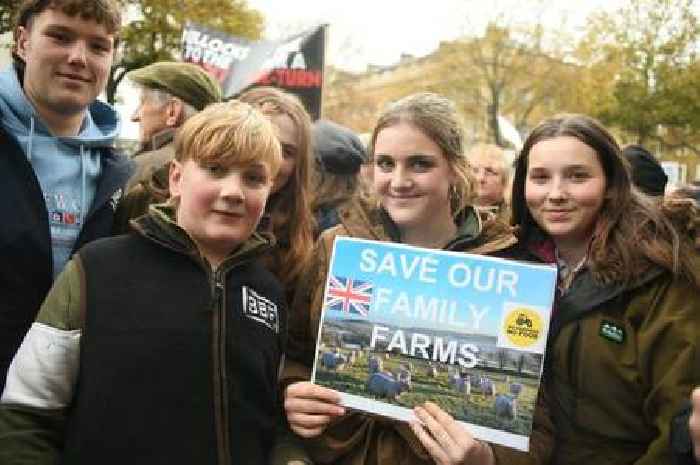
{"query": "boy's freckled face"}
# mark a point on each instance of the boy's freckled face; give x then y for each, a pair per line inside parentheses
(219, 206)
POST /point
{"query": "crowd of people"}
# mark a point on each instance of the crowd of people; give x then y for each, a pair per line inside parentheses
(165, 308)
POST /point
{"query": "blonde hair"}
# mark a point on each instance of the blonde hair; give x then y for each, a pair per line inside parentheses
(289, 209)
(437, 118)
(231, 133)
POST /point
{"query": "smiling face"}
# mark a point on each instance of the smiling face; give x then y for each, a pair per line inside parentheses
(565, 188)
(412, 178)
(219, 206)
(67, 62)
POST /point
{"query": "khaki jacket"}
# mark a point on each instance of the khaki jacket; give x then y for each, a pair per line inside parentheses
(139, 198)
(623, 360)
(361, 439)
(160, 151)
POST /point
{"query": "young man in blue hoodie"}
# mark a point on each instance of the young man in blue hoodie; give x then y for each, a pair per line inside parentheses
(59, 175)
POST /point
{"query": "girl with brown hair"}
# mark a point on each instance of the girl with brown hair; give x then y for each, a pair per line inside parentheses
(622, 354)
(288, 214)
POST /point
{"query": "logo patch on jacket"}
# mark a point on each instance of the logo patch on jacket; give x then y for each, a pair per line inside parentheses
(612, 331)
(260, 309)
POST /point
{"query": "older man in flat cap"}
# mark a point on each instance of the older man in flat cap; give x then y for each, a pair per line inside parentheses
(171, 92)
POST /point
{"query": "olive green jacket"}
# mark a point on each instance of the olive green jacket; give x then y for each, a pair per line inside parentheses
(160, 151)
(622, 361)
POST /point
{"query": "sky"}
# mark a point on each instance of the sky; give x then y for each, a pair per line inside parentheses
(378, 32)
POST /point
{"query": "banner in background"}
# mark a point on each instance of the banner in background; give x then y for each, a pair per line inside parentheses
(294, 64)
(216, 52)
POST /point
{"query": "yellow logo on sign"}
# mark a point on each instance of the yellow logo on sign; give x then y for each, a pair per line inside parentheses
(523, 327)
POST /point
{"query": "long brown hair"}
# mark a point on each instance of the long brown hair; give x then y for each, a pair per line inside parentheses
(289, 208)
(632, 232)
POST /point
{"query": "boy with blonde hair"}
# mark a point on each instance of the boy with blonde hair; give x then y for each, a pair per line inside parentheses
(163, 345)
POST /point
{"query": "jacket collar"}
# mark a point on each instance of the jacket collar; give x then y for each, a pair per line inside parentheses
(159, 226)
(158, 140)
(476, 232)
(586, 294)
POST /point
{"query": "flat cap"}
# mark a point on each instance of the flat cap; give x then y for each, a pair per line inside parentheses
(338, 149)
(188, 82)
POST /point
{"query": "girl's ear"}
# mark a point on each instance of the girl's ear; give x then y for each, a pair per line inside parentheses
(175, 179)
(452, 177)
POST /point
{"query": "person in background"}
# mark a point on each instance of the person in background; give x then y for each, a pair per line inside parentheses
(423, 186)
(288, 214)
(365, 169)
(60, 177)
(491, 170)
(686, 191)
(178, 361)
(339, 156)
(647, 174)
(623, 343)
(171, 93)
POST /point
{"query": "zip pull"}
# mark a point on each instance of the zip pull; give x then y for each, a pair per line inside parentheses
(218, 290)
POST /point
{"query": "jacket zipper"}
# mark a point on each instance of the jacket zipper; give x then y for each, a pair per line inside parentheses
(221, 394)
(220, 378)
(217, 281)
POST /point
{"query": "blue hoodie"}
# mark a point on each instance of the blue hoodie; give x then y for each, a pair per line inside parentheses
(68, 168)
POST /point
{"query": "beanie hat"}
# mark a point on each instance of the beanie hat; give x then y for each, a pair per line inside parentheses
(647, 173)
(338, 150)
(186, 81)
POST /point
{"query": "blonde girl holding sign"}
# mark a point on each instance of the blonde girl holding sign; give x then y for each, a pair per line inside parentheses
(424, 188)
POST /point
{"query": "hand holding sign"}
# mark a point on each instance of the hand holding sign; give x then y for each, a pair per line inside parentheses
(311, 408)
(447, 441)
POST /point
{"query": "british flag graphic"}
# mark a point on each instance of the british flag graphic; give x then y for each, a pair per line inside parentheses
(349, 295)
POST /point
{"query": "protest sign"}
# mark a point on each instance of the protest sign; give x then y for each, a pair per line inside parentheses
(216, 52)
(403, 325)
(295, 64)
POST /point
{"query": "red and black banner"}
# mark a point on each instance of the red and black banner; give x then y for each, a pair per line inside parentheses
(294, 64)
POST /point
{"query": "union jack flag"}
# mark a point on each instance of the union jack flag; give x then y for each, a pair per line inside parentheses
(349, 295)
